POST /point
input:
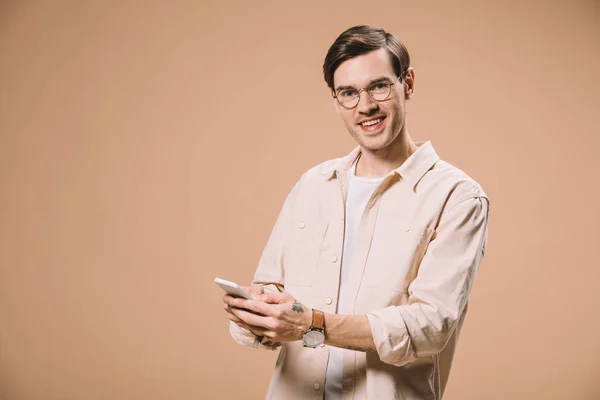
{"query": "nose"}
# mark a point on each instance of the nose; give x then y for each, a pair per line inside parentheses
(366, 105)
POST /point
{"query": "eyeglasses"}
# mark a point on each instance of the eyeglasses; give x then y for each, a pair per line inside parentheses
(349, 97)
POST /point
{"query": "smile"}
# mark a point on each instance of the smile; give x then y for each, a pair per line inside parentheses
(372, 125)
(372, 122)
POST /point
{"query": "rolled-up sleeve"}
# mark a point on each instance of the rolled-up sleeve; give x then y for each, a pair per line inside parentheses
(246, 338)
(439, 293)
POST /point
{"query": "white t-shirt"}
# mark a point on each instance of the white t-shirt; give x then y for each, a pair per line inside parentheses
(359, 192)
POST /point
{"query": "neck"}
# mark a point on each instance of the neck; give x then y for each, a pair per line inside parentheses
(378, 163)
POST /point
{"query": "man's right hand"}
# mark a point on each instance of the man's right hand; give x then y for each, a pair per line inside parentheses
(255, 291)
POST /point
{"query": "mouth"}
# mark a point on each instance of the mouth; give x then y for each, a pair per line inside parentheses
(372, 124)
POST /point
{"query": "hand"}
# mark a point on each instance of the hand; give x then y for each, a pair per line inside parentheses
(254, 291)
(283, 318)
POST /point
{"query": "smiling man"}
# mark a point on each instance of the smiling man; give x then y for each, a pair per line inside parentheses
(364, 282)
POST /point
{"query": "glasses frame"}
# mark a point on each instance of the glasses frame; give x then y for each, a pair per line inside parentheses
(401, 77)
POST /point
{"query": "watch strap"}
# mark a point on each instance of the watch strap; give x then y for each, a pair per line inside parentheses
(318, 320)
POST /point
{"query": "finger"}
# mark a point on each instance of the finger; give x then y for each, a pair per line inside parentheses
(241, 323)
(258, 331)
(252, 305)
(260, 289)
(255, 329)
(233, 317)
(272, 298)
(244, 325)
(235, 320)
(255, 296)
(227, 298)
(228, 309)
(254, 291)
(251, 318)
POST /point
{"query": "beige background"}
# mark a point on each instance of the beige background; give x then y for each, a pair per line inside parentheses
(146, 148)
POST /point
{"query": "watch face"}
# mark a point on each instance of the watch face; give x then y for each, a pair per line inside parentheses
(313, 338)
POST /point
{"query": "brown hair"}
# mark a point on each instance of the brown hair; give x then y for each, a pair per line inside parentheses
(363, 39)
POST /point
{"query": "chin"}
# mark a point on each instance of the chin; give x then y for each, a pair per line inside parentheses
(375, 142)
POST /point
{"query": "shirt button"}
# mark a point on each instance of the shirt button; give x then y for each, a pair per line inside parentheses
(334, 259)
(317, 386)
(302, 225)
(407, 228)
(328, 301)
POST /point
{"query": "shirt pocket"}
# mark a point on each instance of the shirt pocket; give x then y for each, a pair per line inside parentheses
(303, 250)
(395, 255)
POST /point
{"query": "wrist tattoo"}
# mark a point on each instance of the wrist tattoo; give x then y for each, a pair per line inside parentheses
(297, 307)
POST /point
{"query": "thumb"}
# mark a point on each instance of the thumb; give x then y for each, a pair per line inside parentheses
(272, 298)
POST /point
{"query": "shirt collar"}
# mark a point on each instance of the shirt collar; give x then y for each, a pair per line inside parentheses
(412, 170)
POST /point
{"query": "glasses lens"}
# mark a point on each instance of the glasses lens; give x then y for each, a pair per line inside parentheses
(348, 98)
(380, 91)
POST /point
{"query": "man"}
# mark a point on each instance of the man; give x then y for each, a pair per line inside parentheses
(365, 279)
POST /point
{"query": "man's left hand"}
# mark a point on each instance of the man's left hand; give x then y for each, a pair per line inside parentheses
(283, 318)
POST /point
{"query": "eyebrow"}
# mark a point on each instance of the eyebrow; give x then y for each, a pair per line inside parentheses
(376, 80)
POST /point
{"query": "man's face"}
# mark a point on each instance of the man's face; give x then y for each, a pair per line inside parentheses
(360, 72)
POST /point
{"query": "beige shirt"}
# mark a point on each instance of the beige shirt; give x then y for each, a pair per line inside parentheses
(420, 243)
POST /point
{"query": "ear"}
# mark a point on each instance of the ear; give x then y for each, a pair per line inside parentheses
(409, 83)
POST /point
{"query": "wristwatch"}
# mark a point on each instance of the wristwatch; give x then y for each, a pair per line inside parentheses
(315, 335)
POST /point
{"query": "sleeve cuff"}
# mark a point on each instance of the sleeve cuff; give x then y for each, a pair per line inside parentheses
(247, 338)
(391, 337)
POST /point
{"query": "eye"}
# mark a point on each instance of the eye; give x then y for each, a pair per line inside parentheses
(379, 86)
(347, 93)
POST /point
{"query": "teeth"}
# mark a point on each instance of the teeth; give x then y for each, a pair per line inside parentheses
(372, 122)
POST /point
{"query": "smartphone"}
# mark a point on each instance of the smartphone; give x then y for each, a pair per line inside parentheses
(232, 288)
